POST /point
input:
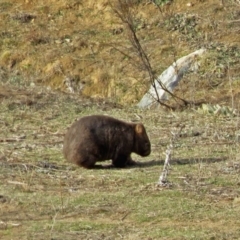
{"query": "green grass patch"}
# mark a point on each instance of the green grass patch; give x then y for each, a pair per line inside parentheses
(43, 196)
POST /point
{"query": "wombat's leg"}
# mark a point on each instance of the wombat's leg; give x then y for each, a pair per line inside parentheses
(88, 162)
(120, 161)
(130, 162)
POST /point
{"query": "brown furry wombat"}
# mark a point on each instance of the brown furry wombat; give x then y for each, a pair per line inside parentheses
(98, 138)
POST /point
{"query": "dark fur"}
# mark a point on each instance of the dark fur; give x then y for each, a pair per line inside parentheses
(98, 138)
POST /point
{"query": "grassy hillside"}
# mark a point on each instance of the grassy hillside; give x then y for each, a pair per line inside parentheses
(45, 43)
(49, 42)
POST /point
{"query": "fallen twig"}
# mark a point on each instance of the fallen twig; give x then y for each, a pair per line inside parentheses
(16, 139)
(16, 183)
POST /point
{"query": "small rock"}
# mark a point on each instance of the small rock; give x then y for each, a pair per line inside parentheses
(189, 4)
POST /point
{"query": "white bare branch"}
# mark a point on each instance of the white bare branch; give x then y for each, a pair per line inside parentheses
(163, 176)
(170, 78)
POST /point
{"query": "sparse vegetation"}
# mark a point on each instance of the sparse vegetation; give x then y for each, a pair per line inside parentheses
(44, 197)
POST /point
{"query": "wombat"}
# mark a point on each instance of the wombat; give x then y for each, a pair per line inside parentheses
(98, 138)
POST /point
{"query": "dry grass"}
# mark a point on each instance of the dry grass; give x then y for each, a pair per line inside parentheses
(46, 42)
(44, 197)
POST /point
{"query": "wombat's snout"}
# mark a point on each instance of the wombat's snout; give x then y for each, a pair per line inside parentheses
(147, 148)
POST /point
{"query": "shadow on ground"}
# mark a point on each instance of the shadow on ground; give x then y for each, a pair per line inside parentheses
(153, 163)
(180, 161)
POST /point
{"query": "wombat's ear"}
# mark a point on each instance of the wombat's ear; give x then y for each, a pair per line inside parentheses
(139, 128)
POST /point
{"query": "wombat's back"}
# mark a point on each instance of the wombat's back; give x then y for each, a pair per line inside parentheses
(99, 135)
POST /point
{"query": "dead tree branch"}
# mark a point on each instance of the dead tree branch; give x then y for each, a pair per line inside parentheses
(123, 10)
